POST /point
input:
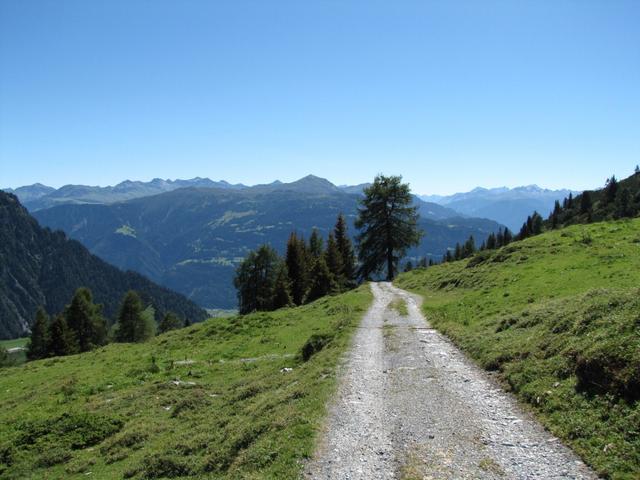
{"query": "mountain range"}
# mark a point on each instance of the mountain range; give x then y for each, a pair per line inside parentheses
(509, 206)
(39, 267)
(192, 239)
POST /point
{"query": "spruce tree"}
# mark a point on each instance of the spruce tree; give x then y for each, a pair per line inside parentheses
(524, 230)
(297, 267)
(334, 261)
(570, 200)
(469, 247)
(408, 266)
(322, 281)
(457, 252)
(346, 250)
(585, 202)
(499, 238)
(507, 237)
(130, 325)
(39, 341)
(491, 241)
(388, 226)
(85, 319)
(316, 244)
(611, 189)
(623, 203)
(255, 280)
(282, 296)
(536, 224)
(424, 263)
(170, 321)
(62, 340)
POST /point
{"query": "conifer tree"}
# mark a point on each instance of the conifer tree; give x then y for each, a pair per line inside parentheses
(536, 224)
(507, 237)
(255, 280)
(469, 247)
(491, 241)
(524, 230)
(316, 244)
(457, 252)
(408, 266)
(623, 201)
(585, 202)
(282, 296)
(62, 340)
(570, 200)
(499, 238)
(636, 171)
(424, 263)
(388, 226)
(170, 321)
(322, 281)
(297, 267)
(611, 189)
(39, 341)
(130, 326)
(85, 319)
(346, 250)
(334, 261)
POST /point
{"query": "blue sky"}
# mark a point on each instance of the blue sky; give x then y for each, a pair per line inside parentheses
(451, 95)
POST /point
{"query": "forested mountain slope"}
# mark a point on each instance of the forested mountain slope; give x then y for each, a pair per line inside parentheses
(192, 239)
(41, 267)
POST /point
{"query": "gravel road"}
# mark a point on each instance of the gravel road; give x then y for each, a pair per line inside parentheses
(410, 405)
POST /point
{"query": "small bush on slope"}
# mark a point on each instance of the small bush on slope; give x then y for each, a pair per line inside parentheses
(559, 320)
(217, 404)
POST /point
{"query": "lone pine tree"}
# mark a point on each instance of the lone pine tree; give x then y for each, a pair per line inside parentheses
(387, 221)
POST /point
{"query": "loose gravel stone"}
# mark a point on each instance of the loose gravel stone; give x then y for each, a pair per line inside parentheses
(410, 404)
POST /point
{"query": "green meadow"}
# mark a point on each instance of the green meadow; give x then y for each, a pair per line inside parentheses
(238, 397)
(557, 317)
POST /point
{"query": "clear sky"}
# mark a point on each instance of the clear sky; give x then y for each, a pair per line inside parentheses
(449, 94)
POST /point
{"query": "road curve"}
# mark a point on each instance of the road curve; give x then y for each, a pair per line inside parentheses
(410, 405)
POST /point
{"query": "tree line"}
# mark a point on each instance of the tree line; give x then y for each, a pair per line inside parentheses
(308, 271)
(617, 200)
(82, 327)
(387, 228)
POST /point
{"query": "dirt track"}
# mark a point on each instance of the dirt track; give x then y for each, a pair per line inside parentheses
(410, 405)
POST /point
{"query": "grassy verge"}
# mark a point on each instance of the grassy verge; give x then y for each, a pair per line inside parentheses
(228, 398)
(558, 317)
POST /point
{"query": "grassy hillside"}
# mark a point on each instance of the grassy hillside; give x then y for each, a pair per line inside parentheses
(558, 316)
(237, 397)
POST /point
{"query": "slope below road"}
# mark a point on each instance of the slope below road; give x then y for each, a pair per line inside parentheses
(410, 405)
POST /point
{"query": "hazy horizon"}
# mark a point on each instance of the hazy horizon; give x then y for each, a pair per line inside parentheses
(293, 180)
